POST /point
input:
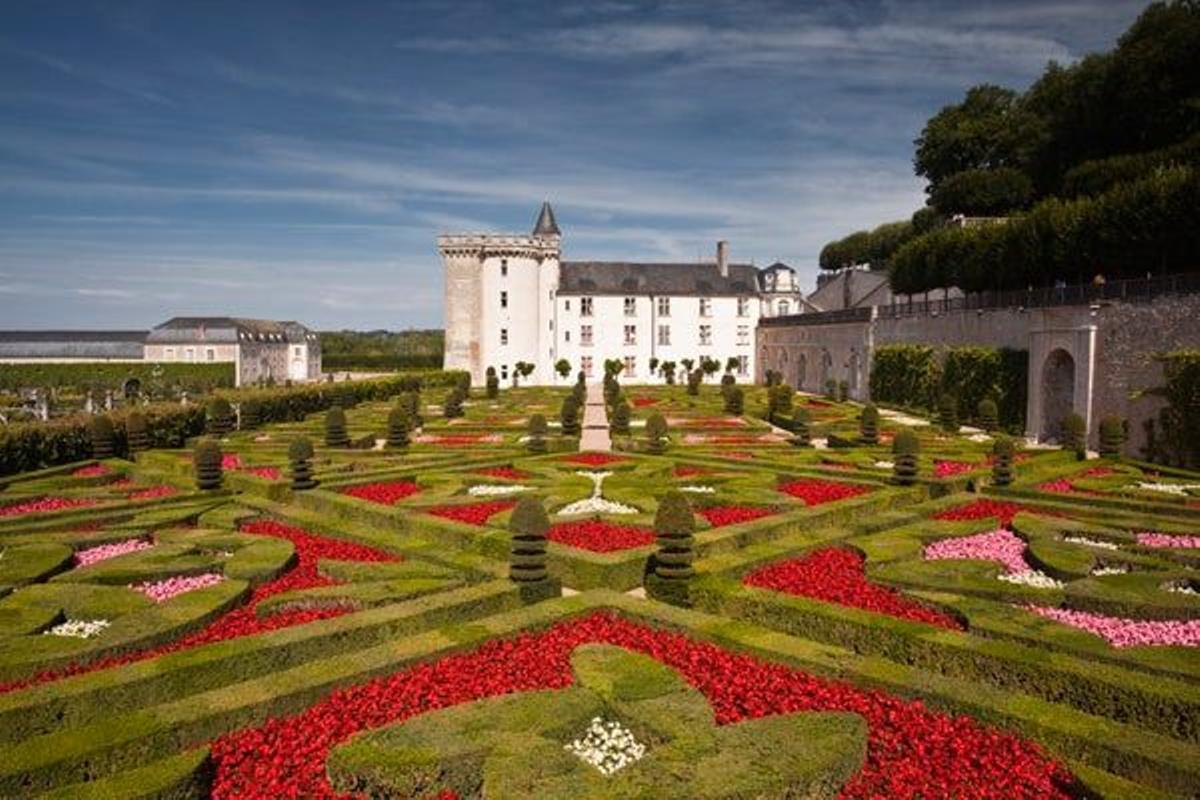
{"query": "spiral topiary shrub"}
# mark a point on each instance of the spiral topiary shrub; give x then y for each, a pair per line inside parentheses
(694, 378)
(779, 403)
(948, 413)
(536, 443)
(104, 439)
(206, 459)
(1075, 435)
(300, 453)
(1002, 461)
(411, 402)
(137, 436)
(905, 449)
(397, 428)
(452, 406)
(335, 428)
(529, 525)
(249, 415)
(988, 414)
(492, 383)
(671, 571)
(801, 431)
(868, 425)
(1112, 437)
(657, 433)
(735, 401)
(843, 391)
(620, 418)
(220, 417)
(568, 416)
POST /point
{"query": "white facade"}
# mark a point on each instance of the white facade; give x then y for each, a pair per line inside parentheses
(512, 299)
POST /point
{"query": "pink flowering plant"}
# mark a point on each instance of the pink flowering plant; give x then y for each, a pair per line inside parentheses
(164, 590)
(1120, 632)
(103, 552)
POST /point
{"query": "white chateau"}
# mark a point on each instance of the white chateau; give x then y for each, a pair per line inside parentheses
(511, 298)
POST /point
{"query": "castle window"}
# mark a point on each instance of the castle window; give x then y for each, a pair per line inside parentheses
(504, 372)
(705, 334)
(743, 334)
(630, 366)
(504, 299)
(585, 364)
(631, 306)
(585, 335)
(631, 334)
(743, 365)
(210, 354)
(585, 306)
(504, 268)
(743, 306)
(664, 306)
(566, 305)
(566, 336)
(784, 307)
(190, 354)
(504, 336)
(664, 335)
(705, 307)
(169, 354)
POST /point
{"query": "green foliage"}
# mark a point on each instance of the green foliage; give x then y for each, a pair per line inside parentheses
(522, 369)
(103, 437)
(411, 403)
(154, 380)
(249, 414)
(206, 459)
(1178, 436)
(529, 525)
(905, 374)
(1002, 461)
(671, 565)
(300, 454)
(452, 406)
(801, 434)
(562, 367)
(989, 129)
(695, 378)
(382, 350)
(620, 418)
(948, 413)
(735, 401)
(656, 433)
(137, 437)
(831, 389)
(905, 449)
(493, 384)
(536, 443)
(220, 417)
(983, 192)
(335, 428)
(869, 425)
(568, 416)
(1075, 435)
(1100, 175)
(1112, 437)
(874, 247)
(843, 391)
(987, 414)
(779, 402)
(668, 372)
(398, 425)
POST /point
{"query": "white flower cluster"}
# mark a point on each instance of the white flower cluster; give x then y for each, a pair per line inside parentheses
(1092, 542)
(493, 489)
(1100, 572)
(698, 489)
(608, 746)
(78, 628)
(1178, 489)
(1183, 588)
(979, 437)
(596, 504)
(885, 465)
(1032, 578)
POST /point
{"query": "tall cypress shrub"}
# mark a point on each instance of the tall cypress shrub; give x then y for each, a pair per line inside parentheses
(670, 578)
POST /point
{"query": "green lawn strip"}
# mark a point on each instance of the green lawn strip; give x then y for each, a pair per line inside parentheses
(183, 776)
(80, 699)
(22, 564)
(1107, 786)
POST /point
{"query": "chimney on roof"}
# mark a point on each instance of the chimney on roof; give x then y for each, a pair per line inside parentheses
(723, 258)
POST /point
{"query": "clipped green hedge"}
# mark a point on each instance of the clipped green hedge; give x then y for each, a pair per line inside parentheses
(913, 375)
(389, 362)
(153, 378)
(905, 374)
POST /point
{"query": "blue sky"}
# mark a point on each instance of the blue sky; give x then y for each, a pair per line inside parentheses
(296, 160)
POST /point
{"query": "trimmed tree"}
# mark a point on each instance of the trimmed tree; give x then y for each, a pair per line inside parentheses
(249, 415)
(452, 406)
(868, 425)
(1002, 461)
(843, 391)
(905, 449)
(137, 436)
(206, 459)
(529, 525)
(1112, 437)
(779, 402)
(695, 377)
(801, 436)
(563, 368)
(831, 389)
(220, 417)
(300, 453)
(568, 416)
(656, 433)
(671, 572)
(948, 413)
(988, 414)
(397, 428)
(536, 443)
(411, 402)
(735, 401)
(335, 428)
(1075, 435)
(104, 438)
(493, 383)
(620, 418)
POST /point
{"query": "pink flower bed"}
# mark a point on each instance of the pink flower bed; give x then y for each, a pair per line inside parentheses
(164, 590)
(91, 471)
(1120, 632)
(1166, 540)
(151, 492)
(266, 473)
(103, 552)
(1000, 545)
(231, 461)
(44, 505)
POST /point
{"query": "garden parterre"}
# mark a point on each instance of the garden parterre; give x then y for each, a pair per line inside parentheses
(257, 641)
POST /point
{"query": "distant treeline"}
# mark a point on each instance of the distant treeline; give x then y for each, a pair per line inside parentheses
(382, 350)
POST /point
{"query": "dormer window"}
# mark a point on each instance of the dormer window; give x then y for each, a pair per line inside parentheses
(504, 268)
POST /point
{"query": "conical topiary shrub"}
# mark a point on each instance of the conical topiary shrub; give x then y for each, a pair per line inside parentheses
(206, 459)
(695, 377)
(300, 453)
(779, 403)
(411, 402)
(657, 433)
(905, 449)
(948, 413)
(397, 428)
(671, 566)
(104, 438)
(988, 414)
(137, 437)
(568, 416)
(220, 417)
(868, 425)
(452, 406)
(529, 525)
(1112, 437)
(620, 418)
(831, 389)
(536, 443)
(1075, 435)
(801, 436)
(843, 391)
(492, 383)
(1002, 461)
(735, 401)
(250, 415)
(335, 428)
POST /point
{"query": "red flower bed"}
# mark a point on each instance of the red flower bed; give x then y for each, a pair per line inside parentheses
(245, 621)
(231, 461)
(912, 751)
(600, 536)
(712, 422)
(471, 513)
(91, 471)
(718, 516)
(641, 401)
(738, 455)
(685, 471)
(459, 440)
(947, 469)
(266, 473)
(386, 493)
(814, 492)
(757, 440)
(44, 505)
(837, 576)
(152, 492)
(593, 459)
(504, 473)
(983, 509)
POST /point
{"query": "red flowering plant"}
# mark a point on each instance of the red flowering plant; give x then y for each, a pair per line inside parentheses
(814, 491)
(471, 513)
(837, 575)
(153, 492)
(689, 471)
(91, 471)
(45, 505)
(386, 493)
(912, 751)
(593, 459)
(642, 401)
(983, 509)
(948, 469)
(719, 516)
(600, 536)
(505, 473)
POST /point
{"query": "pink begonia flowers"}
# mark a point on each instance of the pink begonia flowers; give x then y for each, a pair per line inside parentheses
(1167, 541)
(103, 552)
(164, 590)
(1120, 632)
(1000, 545)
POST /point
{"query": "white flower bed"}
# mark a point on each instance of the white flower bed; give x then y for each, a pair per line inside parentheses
(1100, 572)
(1183, 588)
(1177, 489)
(1032, 578)
(608, 746)
(78, 628)
(820, 443)
(979, 437)
(885, 465)
(596, 504)
(1091, 542)
(494, 489)
(698, 489)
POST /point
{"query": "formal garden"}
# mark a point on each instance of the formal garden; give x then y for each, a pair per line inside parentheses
(417, 588)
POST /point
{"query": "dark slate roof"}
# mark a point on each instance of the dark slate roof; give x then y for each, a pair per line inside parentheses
(72, 336)
(72, 344)
(546, 225)
(626, 277)
(225, 329)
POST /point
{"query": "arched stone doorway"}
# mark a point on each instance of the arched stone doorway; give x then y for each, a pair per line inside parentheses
(1058, 392)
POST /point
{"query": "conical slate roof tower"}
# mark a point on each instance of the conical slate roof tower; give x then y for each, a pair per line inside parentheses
(546, 225)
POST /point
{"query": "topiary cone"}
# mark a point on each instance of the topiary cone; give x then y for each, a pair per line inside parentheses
(300, 453)
(569, 416)
(1002, 461)
(250, 415)
(988, 414)
(220, 417)
(620, 420)
(869, 425)
(670, 578)
(1112, 437)
(136, 437)
(527, 555)
(397, 428)
(905, 448)
(104, 439)
(800, 429)
(656, 433)
(206, 459)
(1075, 435)
(335, 428)
(948, 413)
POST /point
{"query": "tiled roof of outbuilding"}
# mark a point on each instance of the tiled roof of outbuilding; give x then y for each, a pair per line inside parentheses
(628, 277)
